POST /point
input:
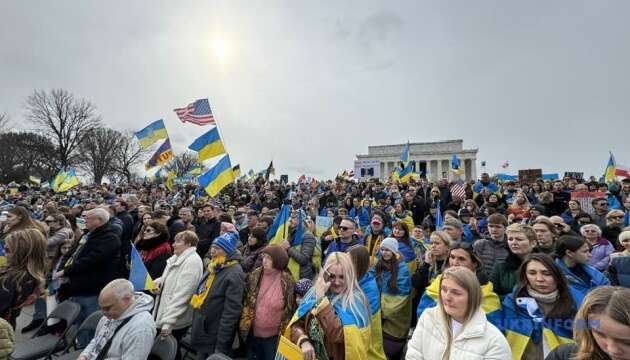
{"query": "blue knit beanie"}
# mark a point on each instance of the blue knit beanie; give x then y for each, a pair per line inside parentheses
(227, 242)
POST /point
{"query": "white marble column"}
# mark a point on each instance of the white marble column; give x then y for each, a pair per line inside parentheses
(439, 170)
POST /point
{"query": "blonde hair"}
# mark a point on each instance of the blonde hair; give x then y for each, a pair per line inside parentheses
(189, 237)
(26, 255)
(612, 301)
(526, 230)
(353, 292)
(465, 278)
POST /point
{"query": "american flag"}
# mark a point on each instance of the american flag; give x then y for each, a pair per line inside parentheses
(458, 190)
(197, 113)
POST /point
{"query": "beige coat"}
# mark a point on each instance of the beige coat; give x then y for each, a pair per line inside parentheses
(7, 339)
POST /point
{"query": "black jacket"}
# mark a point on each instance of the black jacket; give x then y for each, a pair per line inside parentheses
(157, 264)
(207, 231)
(96, 262)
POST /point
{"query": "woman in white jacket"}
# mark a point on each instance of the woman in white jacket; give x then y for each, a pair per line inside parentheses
(172, 311)
(457, 328)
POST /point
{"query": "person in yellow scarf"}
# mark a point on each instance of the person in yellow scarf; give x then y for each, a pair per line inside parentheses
(218, 301)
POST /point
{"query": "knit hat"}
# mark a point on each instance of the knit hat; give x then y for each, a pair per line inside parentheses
(390, 244)
(303, 286)
(278, 255)
(227, 242)
(624, 235)
(454, 223)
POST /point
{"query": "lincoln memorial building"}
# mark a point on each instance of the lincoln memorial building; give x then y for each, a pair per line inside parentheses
(431, 159)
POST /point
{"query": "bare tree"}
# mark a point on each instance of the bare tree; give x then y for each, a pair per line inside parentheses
(128, 156)
(97, 152)
(4, 122)
(63, 118)
(185, 162)
(24, 154)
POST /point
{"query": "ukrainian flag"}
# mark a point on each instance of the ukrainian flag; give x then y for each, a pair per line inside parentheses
(138, 274)
(65, 180)
(356, 324)
(279, 230)
(524, 322)
(396, 306)
(152, 133)
(208, 145)
(404, 156)
(218, 177)
(170, 180)
(163, 154)
(490, 302)
(406, 174)
(35, 180)
(3, 259)
(370, 288)
(609, 174)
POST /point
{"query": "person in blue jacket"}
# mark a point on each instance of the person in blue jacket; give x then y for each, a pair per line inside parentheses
(572, 257)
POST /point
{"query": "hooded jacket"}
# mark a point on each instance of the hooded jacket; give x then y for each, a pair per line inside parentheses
(135, 339)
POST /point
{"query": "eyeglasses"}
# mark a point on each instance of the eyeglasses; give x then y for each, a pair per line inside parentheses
(344, 228)
(616, 218)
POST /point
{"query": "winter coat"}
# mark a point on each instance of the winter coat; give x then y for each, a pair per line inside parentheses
(303, 254)
(251, 295)
(206, 231)
(504, 274)
(619, 271)
(215, 323)
(127, 225)
(251, 259)
(563, 352)
(363, 214)
(490, 252)
(14, 295)
(178, 283)
(135, 339)
(578, 287)
(373, 241)
(479, 339)
(601, 254)
(155, 252)
(7, 339)
(55, 240)
(95, 262)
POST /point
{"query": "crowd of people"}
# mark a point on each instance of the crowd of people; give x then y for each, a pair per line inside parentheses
(414, 270)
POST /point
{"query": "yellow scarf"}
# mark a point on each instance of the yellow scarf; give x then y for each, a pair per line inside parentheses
(214, 267)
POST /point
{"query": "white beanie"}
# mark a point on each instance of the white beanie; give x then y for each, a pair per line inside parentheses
(390, 244)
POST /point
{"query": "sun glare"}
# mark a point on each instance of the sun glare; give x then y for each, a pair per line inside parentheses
(220, 49)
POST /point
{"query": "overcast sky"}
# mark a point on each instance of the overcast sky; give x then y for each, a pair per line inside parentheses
(313, 83)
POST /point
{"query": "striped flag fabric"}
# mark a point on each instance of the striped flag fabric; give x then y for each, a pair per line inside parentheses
(458, 190)
(138, 274)
(198, 113)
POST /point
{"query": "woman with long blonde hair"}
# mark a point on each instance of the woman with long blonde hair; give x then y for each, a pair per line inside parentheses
(457, 328)
(601, 328)
(333, 320)
(23, 277)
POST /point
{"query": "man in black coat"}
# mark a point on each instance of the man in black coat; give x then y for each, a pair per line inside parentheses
(208, 228)
(94, 264)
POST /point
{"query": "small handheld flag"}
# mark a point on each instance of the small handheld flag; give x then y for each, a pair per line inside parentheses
(138, 274)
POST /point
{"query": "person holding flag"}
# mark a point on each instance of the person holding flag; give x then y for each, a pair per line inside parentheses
(300, 245)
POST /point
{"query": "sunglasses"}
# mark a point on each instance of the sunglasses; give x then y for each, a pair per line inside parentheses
(344, 228)
(616, 218)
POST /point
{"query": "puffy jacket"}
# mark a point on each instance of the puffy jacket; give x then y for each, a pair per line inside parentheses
(490, 252)
(178, 283)
(619, 271)
(479, 339)
(601, 254)
(579, 288)
(504, 275)
(7, 339)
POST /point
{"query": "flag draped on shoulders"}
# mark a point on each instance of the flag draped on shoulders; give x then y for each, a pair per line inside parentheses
(490, 302)
(370, 289)
(151, 134)
(356, 324)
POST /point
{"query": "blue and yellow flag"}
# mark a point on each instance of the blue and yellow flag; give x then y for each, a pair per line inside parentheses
(3, 259)
(138, 274)
(208, 145)
(65, 180)
(404, 156)
(439, 221)
(152, 133)
(370, 289)
(162, 155)
(490, 302)
(279, 230)
(356, 324)
(395, 305)
(609, 173)
(217, 177)
(170, 180)
(407, 173)
(525, 322)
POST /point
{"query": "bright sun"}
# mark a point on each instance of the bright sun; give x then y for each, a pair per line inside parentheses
(220, 49)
